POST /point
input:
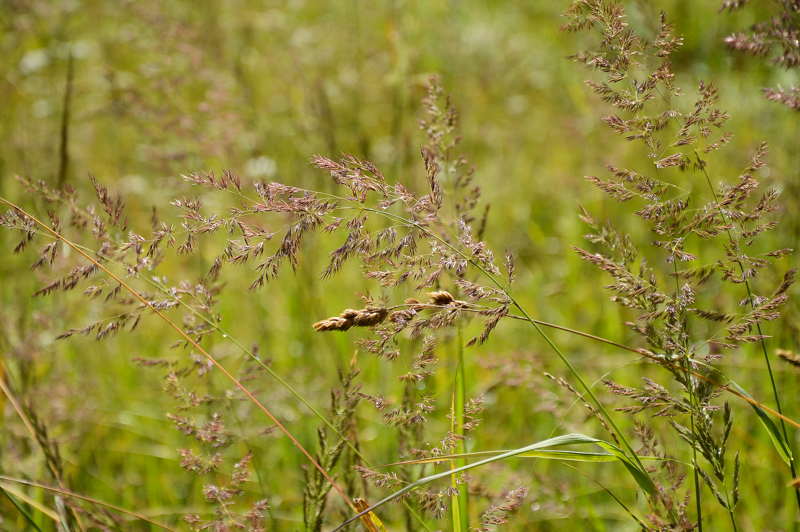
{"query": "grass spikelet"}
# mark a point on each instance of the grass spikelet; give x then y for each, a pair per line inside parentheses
(441, 299)
(368, 317)
(789, 356)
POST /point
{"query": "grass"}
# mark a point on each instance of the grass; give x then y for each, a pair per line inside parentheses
(349, 79)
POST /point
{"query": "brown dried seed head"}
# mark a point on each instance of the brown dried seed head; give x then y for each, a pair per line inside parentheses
(441, 298)
(333, 324)
(370, 316)
(353, 318)
(789, 356)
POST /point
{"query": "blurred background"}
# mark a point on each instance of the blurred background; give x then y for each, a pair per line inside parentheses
(138, 93)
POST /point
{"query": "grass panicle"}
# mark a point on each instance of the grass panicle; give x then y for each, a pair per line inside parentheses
(690, 251)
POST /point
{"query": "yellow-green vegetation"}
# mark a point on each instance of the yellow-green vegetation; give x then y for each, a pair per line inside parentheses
(148, 357)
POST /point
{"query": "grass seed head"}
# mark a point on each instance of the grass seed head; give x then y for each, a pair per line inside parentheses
(441, 298)
(367, 317)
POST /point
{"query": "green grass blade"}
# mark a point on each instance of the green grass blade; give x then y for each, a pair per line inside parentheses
(622, 504)
(772, 429)
(562, 455)
(640, 475)
(21, 510)
(775, 434)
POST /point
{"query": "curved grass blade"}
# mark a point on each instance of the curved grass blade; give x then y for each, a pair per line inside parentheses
(565, 456)
(775, 434)
(21, 510)
(772, 429)
(627, 510)
(640, 475)
(30, 501)
(74, 495)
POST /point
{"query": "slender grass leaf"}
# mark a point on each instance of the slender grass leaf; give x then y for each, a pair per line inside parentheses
(627, 510)
(772, 429)
(21, 510)
(564, 456)
(640, 475)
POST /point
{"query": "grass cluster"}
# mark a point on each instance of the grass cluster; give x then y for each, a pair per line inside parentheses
(366, 342)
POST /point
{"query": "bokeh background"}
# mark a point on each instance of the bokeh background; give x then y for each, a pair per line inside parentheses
(138, 93)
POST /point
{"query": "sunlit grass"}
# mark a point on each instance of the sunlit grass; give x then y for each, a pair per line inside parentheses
(307, 78)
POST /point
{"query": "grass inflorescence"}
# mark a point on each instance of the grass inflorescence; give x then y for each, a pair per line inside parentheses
(693, 269)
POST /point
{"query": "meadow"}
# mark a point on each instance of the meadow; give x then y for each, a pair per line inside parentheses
(264, 259)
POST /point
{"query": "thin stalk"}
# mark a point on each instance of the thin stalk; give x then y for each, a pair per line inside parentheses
(651, 356)
(257, 360)
(462, 400)
(20, 509)
(255, 465)
(460, 501)
(730, 510)
(63, 146)
(73, 495)
(694, 403)
(530, 320)
(694, 453)
(22, 412)
(454, 499)
(188, 339)
(622, 504)
(762, 341)
(750, 297)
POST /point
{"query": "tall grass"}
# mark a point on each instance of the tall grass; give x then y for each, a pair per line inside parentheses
(418, 284)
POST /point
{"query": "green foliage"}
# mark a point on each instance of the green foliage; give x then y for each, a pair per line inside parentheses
(139, 94)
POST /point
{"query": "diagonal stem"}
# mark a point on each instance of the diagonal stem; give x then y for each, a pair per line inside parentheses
(188, 339)
(530, 320)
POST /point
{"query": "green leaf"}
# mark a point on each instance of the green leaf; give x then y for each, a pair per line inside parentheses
(641, 476)
(564, 456)
(772, 429)
(21, 510)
